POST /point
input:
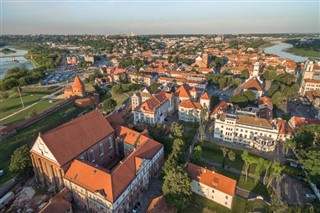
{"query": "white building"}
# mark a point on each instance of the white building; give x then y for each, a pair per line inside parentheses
(212, 185)
(153, 110)
(248, 130)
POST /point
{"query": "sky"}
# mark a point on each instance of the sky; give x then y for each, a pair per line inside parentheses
(159, 16)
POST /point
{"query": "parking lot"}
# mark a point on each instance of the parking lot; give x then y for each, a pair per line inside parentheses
(58, 76)
(301, 107)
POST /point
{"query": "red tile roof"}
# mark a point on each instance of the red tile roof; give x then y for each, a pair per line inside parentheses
(77, 83)
(253, 83)
(205, 96)
(159, 205)
(112, 184)
(221, 105)
(190, 104)
(284, 128)
(265, 100)
(212, 179)
(183, 91)
(74, 137)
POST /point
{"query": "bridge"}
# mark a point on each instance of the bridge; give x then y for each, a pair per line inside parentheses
(11, 56)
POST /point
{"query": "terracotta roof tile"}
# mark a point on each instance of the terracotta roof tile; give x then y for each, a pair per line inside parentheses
(74, 137)
(159, 205)
(253, 83)
(77, 83)
(205, 96)
(183, 91)
(212, 179)
(221, 105)
(190, 104)
(265, 100)
(254, 121)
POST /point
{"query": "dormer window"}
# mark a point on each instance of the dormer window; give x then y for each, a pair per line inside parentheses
(92, 158)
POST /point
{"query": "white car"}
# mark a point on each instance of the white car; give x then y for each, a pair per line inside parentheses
(1, 172)
(312, 196)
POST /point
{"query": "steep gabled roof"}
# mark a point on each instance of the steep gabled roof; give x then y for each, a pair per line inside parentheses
(253, 83)
(212, 179)
(205, 96)
(190, 104)
(77, 83)
(69, 140)
(183, 91)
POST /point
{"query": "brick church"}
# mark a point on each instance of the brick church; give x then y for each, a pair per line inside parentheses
(77, 89)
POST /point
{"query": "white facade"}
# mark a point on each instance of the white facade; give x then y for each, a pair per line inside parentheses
(212, 194)
(257, 136)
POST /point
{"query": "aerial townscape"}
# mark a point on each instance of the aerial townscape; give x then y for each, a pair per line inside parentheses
(154, 116)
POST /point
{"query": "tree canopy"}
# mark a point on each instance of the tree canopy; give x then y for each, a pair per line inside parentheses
(20, 161)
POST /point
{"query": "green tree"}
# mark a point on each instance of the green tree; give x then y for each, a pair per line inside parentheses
(260, 162)
(154, 86)
(177, 188)
(290, 144)
(214, 100)
(33, 113)
(109, 105)
(277, 205)
(245, 73)
(20, 161)
(197, 154)
(177, 129)
(277, 99)
(248, 161)
(249, 95)
(231, 155)
(311, 162)
(224, 154)
(273, 89)
(170, 164)
(275, 173)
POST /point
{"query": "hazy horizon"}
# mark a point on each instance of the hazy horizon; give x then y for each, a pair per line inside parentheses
(72, 17)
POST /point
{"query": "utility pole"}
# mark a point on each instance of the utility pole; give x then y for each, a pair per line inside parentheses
(20, 97)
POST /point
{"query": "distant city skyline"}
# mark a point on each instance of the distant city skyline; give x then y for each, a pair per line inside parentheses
(155, 17)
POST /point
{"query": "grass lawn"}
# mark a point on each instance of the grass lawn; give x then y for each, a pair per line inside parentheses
(240, 205)
(121, 98)
(304, 52)
(29, 96)
(28, 135)
(40, 107)
(213, 152)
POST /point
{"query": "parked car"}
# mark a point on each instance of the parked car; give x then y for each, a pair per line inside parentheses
(312, 196)
(1, 172)
(6, 199)
(136, 207)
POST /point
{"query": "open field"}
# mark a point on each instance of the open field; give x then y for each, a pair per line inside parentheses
(240, 205)
(304, 52)
(28, 135)
(40, 107)
(29, 96)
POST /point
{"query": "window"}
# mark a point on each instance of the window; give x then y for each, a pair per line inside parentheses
(91, 153)
(110, 142)
(227, 197)
(101, 149)
(226, 203)
(212, 191)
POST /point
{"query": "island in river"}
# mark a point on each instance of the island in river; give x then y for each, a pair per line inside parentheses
(7, 51)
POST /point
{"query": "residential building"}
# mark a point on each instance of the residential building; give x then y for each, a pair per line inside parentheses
(154, 109)
(254, 85)
(309, 85)
(59, 203)
(190, 101)
(211, 185)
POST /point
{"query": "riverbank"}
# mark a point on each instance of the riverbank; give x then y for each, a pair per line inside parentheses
(281, 49)
(303, 52)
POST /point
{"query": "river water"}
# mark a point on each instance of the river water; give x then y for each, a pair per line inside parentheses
(279, 49)
(7, 63)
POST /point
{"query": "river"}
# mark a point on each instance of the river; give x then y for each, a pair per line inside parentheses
(279, 49)
(7, 63)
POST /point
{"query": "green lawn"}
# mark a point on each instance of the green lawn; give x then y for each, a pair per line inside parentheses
(29, 96)
(240, 205)
(213, 152)
(304, 52)
(40, 107)
(28, 135)
(121, 98)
